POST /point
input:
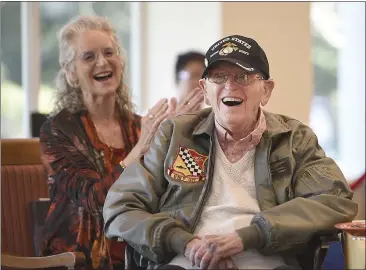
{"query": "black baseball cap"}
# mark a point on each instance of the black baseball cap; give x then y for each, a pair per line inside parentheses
(242, 51)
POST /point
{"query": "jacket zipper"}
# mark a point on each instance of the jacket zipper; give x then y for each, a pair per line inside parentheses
(269, 146)
(208, 188)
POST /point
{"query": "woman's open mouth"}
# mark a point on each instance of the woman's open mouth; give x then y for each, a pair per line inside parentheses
(103, 76)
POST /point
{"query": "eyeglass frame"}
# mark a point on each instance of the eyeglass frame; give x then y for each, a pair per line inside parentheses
(116, 52)
(227, 74)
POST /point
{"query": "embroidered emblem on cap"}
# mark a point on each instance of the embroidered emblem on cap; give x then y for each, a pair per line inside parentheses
(228, 48)
(188, 166)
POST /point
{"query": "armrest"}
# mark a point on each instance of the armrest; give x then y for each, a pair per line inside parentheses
(313, 256)
(67, 259)
(326, 240)
(322, 249)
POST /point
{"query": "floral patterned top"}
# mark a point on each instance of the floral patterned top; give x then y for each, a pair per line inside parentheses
(81, 169)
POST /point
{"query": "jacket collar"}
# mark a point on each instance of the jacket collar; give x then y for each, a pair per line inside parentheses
(275, 125)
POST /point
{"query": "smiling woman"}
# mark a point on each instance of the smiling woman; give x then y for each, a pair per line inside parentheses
(91, 136)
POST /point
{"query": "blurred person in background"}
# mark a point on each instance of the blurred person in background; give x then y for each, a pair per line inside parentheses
(92, 134)
(189, 67)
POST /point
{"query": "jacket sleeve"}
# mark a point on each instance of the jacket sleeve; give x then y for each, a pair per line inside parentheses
(321, 199)
(131, 210)
(70, 172)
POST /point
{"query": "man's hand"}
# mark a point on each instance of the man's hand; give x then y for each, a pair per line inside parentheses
(214, 251)
(192, 247)
(221, 247)
(227, 263)
(227, 244)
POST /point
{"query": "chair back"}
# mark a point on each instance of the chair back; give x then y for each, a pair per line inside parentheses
(23, 180)
(38, 211)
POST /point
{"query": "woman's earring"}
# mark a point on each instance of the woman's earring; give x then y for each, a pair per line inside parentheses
(76, 84)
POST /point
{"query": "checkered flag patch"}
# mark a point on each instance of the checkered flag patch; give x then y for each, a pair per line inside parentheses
(189, 161)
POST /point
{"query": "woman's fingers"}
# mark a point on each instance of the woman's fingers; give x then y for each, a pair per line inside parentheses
(161, 111)
(196, 100)
(155, 115)
(157, 107)
(173, 103)
(191, 94)
(189, 97)
(158, 120)
(192, 103)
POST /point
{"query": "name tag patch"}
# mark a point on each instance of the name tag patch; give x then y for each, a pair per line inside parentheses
(280, 167)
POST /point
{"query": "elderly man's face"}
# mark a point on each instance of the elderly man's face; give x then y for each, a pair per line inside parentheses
(234, 102)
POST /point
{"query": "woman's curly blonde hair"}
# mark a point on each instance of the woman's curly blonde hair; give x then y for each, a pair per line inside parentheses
(69, 94)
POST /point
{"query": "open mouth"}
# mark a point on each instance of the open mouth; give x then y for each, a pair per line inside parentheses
(103, 76)
(232, 101)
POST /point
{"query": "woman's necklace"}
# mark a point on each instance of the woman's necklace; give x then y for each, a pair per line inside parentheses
(110, 146)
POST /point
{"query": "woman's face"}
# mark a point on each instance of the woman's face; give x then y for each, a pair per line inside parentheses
(98, 66)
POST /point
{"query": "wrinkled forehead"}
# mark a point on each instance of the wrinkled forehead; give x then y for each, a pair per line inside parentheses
(92, 40)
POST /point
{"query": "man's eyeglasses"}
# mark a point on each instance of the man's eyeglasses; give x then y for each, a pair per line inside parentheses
(241, 78)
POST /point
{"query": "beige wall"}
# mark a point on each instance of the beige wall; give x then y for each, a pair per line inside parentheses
(170, 28)
(283, 30)
(359, 197)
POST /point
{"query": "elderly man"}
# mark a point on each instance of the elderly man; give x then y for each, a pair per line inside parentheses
(232, 185)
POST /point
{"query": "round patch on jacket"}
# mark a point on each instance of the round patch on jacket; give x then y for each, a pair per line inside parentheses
(188, 166)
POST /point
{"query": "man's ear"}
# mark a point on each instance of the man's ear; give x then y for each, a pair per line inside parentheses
(268, 88)
(202, 84)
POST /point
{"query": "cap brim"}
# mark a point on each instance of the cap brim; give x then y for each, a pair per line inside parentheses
(248, 68)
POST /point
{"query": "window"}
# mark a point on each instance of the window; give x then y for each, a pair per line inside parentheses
(49, 17)
(338, 107)
(12, 93)
(53, 16)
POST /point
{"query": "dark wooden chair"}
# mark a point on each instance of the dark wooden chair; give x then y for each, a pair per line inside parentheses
(23, 183)
(23, 180)
(38, 212)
